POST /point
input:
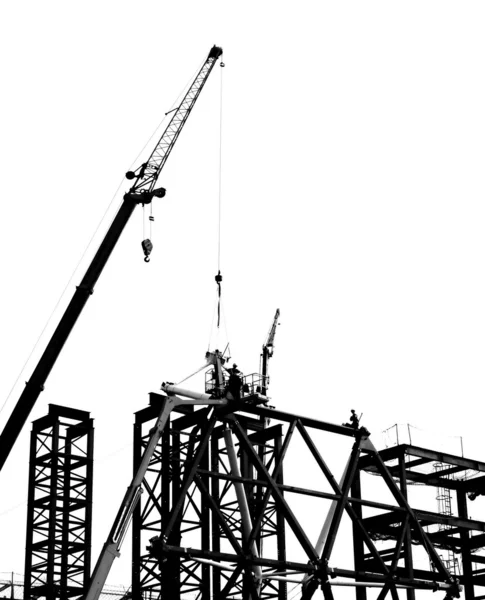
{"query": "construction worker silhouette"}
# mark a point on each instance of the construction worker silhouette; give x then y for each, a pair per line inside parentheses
(234, 383)
(354, 420)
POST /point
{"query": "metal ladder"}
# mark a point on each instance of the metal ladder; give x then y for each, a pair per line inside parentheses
(443, 498)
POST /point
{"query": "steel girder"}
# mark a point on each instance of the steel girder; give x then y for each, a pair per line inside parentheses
(59, 511)
(455, 533)
(190, 520)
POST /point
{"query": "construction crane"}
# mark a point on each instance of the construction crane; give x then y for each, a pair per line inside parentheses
(142, 192)
(267, 353)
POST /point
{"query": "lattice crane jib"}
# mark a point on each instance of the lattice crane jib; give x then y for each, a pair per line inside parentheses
(147, 175)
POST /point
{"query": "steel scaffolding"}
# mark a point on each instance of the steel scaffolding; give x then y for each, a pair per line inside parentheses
(58, 545)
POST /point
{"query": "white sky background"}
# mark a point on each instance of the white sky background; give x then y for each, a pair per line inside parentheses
(353, 152)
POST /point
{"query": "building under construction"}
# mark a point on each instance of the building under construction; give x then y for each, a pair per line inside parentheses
(230, 497)
(224, 513)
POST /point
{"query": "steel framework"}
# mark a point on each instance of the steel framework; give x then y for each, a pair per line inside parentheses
(458, 539)
(58, 546)
(190, 539)
(180, 576)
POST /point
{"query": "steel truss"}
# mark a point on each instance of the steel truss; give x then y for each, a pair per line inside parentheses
(454, 535)
(210, 500)
(59, 511)
(189, 538)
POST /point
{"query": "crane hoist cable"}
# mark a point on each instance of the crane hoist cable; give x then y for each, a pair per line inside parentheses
(218, 277)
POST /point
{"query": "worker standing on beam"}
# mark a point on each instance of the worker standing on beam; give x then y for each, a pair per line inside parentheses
(234, 383)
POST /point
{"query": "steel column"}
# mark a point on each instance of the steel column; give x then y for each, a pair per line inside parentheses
(466, 555)
(407, 548)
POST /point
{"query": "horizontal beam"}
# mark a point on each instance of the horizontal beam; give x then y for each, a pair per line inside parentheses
(224, 557)
(385, 521)
(423, 456)
(234, 558)
(304, 491)
(307, 422)
(433, 479)
(478, 559)
(265, 435)
(413, 582)
(443, 457)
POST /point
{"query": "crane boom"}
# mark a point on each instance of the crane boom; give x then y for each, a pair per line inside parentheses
(267, 352)
(149, 171)
(141, 192)
(270, 339)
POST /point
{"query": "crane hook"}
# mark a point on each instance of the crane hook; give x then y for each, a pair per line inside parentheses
(147, 249)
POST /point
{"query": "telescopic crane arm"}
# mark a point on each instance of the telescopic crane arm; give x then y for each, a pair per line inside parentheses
(141, 192)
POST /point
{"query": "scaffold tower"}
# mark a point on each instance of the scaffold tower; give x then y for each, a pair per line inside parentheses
(59, 511)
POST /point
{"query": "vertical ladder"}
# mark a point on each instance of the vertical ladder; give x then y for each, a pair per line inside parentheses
(443, 498)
